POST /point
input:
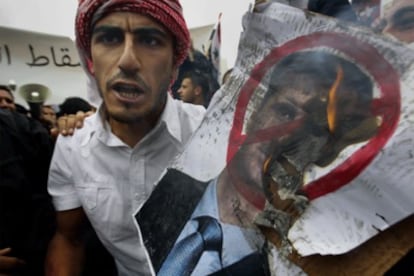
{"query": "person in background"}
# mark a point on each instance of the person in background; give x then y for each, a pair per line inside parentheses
(195, 89)
(6, 98)
(131, 51)
(26, 211)
(48, 116)
(73, 105)
(196, 61)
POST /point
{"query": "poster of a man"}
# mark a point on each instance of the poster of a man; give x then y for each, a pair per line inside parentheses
(296, 141)
(301, 119)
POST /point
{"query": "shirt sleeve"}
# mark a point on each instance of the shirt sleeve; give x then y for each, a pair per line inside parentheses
(60, 182)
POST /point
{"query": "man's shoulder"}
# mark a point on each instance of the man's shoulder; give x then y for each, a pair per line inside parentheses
(196, 112)
(189, 114)
(80, 135)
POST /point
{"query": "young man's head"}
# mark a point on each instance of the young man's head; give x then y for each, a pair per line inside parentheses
(48, 115)
(133, 49)
(6, 98)
(195, 88)
(326, 98)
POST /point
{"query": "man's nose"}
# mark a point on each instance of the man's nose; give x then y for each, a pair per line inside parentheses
(3, 103)
(129, 60)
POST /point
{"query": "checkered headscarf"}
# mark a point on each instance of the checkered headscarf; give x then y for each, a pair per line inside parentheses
(167, 12)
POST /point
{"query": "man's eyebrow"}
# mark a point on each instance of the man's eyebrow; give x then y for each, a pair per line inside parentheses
(150, 31)
(104, 29)
(147, 31)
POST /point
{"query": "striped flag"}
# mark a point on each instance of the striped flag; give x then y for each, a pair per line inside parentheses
(213, 52)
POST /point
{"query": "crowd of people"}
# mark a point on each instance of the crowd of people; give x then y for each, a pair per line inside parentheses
(67, 201)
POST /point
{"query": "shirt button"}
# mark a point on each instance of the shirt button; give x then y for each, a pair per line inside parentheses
(136, 195)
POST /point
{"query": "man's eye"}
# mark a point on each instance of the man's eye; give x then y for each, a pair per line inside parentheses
(109, 38)
(149, 41)
(285, 111)
(403, 19)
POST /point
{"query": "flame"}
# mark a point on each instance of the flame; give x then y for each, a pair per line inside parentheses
(266, 164)
(331, 109)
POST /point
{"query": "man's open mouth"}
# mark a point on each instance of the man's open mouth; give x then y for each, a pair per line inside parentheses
(129, 91)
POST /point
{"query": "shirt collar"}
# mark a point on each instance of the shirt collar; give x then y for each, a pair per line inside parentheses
(169, 116)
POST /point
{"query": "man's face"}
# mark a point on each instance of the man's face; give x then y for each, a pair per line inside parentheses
(133, 65)
(400, 21)
(297, 134)
(6, 100)
(277, 110)
(187, 91)
(49, 114)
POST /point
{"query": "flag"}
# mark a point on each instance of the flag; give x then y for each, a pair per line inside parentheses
(213, 52)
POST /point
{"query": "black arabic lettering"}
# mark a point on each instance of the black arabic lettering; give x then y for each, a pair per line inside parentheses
(7, 54)
(39, 60)
(66, 60)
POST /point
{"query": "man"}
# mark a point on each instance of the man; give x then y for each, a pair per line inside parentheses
(131, 50)
(195, 89)
(26, 212)
(309, 114)
(6, 98)
(48, 116)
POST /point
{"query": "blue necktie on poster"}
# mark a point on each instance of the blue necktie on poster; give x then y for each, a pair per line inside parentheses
(185, 255)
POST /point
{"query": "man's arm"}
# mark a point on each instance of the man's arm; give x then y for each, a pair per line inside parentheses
(66, 250)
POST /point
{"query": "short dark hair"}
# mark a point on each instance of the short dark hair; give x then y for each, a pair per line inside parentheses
(72, 105)
(200, 79)
(7, 88)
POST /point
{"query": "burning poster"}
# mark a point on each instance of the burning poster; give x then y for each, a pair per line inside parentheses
(311, 138)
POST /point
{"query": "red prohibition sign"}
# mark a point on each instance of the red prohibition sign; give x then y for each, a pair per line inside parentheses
(387, 105)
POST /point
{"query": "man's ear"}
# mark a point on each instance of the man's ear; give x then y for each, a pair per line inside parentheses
(89, 63)
(198, 90)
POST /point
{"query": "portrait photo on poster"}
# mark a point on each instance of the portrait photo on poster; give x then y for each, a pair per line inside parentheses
(297, 142)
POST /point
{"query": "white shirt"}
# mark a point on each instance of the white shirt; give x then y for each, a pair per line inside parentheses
(95, 170)
(237, 242)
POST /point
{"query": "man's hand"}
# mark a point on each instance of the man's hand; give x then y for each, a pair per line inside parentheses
(9, 264)
(66, 124)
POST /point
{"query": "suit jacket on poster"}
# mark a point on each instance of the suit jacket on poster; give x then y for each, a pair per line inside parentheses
(164, 215)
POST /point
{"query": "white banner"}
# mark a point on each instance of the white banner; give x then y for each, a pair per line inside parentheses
(29, 57)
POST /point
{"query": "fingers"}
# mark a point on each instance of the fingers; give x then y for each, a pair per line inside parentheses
(8, 263)
(67, 124)
(5, 251)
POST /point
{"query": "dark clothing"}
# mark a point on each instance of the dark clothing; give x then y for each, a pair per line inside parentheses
(26, 211)
(166, 212)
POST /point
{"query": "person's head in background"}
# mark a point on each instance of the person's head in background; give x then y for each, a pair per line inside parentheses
(48, 115)
(72, 105)
(195, 88)
(196, 61)
(132, 50)
(7, 98)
